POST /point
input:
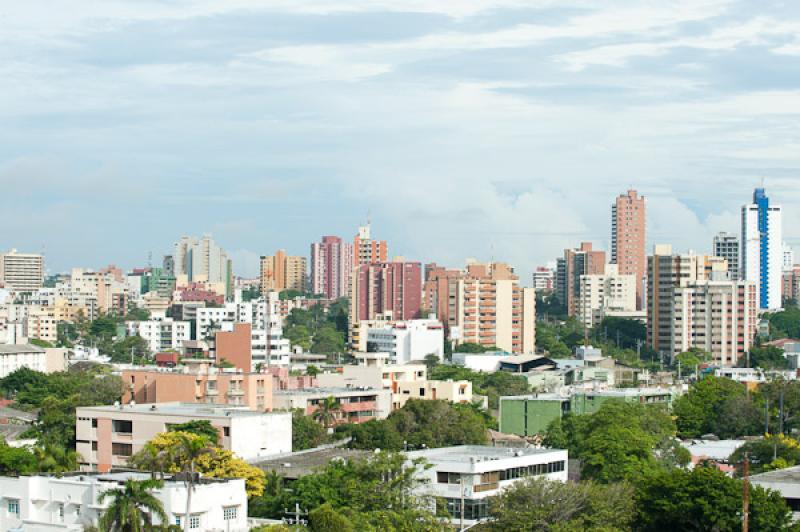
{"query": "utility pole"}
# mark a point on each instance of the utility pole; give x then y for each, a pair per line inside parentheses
(297, 515)
(461, 525)
(746, 496)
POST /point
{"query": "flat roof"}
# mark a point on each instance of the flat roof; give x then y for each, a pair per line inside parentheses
(11, 349)
(327, 391)
(301, 463)
(790, 475)
(202, 410)
(480, 453)
(716, 449)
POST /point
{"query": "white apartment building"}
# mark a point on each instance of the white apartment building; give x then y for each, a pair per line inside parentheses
(474, 473)
(406, 341)
(161, 335)
(108, 435)
(600, 293)
(14, 357)
(726, 245)
(71, 502)
(21, 272)
(202, 260)
(761, 252)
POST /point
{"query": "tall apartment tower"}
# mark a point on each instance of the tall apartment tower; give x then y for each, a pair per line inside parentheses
(726, 245)
(693, 303)
(628, 238)
(386, 288)
(283, 272)
(23, 272)
(576, 262)
(202, 260)
(366, 250)
(331, 267)
(761, 248)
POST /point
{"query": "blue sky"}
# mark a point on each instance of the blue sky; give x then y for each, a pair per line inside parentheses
(491, 129)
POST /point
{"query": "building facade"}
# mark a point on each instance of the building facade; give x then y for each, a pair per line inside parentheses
(354, 405)
(406, 341)
(628, 239)
(600, 293)
(201, 259)
(331, 267)
(71, 502)
(283, 272)
(21, 272)
(544, 279)
(161, 335)
(761, 250)
(726, 245)
(107, 436)
(366, 250)
(386, 288)
(576, 262)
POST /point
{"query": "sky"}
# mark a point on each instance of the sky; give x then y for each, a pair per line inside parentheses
(495, 129)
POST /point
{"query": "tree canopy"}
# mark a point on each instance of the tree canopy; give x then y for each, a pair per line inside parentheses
(720, 406)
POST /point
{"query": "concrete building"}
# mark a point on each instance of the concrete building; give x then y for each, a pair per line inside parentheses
(161, 335)
(386, 288)
(576, 262)
(467, 475)
(366, 250)
(201, 259)
(197, 381)
(71, 502)
(331, 267)
(726, 245)
(761, 251)
(107, 436)
(604, 292)
(281, 272)
(21, 272)
(544, 278)
(628, 238)
(406, 341)
(788, 256)
(784, 481)
(356, 405)
(14, 357)
(790, 286)
(488, 362)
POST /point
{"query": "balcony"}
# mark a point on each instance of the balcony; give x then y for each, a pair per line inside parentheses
(235, 392)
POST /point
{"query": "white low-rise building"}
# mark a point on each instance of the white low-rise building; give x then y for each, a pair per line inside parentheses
(106, 436)
(488, 362)
(475, 472)
(14, 357)
(161, 335)
(409, 340)
(71, 502)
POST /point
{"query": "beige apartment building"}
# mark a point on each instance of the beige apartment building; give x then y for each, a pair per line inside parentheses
(107, 436)
(602, 293)
(23, 272)
(197, 381)
(570, 268)
(628, 237)
(283, 272)
(693, 303)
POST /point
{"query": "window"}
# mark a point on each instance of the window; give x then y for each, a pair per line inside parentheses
(229, 513)
(122, 426)
(13, 507)
(94, 445)
(61, 512)
(226, 431)
(194, 521)
(94, 422)
(121, 449)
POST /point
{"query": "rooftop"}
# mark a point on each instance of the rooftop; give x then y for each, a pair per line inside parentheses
(12, 349)
(301, 463)
(340, 390)
(194, 410)
(463, 453)
(714, 449)
(790, 475)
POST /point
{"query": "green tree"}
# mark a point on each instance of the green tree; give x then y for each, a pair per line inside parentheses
(137, 314)
(298, 335)
(768, 357)
(786, 323)
(199, 427)
(540, 504)
(700, 411)
(55, 458)
(306, 433)
(703, 499)
(327, 412)
(132, 507)
(472, 347)
(16, 460)
(130, 348)
(325, 519)
(764, 451)
(328, 340)
(431, 361)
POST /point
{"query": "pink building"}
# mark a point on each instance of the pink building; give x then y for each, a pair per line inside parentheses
(331, 267)
(386, 287)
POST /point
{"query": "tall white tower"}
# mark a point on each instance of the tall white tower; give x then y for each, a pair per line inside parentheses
(761, 253)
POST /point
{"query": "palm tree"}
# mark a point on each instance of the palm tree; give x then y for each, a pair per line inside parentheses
(54, 459)
(191, 448)
(131, 507)
(326, 412)
(150, 458)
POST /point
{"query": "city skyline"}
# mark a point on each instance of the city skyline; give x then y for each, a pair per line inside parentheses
(495, 129)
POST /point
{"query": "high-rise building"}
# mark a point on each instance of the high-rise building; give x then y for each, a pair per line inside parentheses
(576, 262)
(386, 289)
(788, 257)
(366, 250)
(202, 260)
(693, 303)
(628, 238)
(331, 267)
(544, 278)
(761, 253)
(726, 245)
(283, 272)
(484, 304)
(23, 272)
(605, 292)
